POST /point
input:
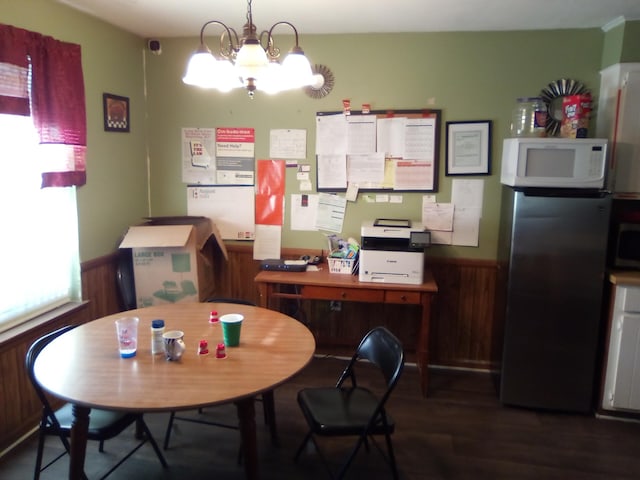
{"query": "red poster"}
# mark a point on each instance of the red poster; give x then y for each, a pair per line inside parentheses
(270, 177)
(270, 185)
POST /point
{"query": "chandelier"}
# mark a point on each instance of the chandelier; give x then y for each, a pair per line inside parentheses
(250, 61)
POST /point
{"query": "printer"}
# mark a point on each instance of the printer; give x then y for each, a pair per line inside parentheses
(392, 251)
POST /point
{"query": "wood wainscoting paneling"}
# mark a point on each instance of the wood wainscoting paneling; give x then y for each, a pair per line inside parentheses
(100, 287)
(466, 324)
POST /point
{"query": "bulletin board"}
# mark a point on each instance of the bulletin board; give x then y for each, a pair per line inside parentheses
(379, 150)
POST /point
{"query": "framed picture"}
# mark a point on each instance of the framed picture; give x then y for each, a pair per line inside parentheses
(469, 148)
(116, 113)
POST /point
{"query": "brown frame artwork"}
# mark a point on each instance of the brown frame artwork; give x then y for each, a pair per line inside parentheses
(116, 113)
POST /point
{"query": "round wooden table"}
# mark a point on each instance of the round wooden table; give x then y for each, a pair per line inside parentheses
(84, 367)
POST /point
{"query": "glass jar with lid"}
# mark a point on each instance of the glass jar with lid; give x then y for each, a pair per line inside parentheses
(529, 118)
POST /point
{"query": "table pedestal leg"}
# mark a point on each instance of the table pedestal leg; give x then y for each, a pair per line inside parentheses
(79, 432)
(247, 417)
(270, 412)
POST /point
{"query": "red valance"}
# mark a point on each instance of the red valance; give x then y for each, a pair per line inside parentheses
(56, 96)
(14, 65)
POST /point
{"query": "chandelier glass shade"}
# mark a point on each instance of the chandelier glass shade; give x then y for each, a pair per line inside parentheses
(249, 61)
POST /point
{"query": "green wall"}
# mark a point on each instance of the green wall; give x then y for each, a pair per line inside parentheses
(621, 44)
(115, 195)
(613, 43)
(469, 76)
(631, 47)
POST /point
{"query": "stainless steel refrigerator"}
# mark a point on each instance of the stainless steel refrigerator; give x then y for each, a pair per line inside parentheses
(555, 242)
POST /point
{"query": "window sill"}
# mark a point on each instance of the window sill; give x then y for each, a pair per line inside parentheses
(19, 330)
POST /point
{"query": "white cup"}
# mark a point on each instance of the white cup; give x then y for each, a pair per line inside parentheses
(174, 345)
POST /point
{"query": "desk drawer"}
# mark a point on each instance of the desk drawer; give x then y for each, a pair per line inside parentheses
(397, 296)
(343, 294)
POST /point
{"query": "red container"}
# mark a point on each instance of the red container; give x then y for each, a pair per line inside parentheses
(575, 116)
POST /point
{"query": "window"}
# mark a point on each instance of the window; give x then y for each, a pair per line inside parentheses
(39, 239)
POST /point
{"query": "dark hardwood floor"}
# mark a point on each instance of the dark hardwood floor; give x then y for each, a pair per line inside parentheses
(459, 432)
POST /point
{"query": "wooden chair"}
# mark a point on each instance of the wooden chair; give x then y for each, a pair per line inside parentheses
(349, 409)
(103, 424)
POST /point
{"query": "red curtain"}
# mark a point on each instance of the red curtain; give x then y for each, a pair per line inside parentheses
(57, 100)
(14, 65)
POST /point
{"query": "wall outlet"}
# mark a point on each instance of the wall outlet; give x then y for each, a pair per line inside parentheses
(335, 306)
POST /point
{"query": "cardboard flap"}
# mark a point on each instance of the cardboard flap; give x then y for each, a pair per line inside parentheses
(215, 233)
(157, 236)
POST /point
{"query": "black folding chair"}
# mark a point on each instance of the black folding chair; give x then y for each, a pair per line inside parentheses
(349, 409)
(124, 280)
(267, 397)
(103, 424)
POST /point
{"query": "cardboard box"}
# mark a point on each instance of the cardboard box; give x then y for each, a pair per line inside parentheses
(173, 259)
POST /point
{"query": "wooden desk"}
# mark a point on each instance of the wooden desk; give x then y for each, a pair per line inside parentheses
(322, 285)
(83, 367)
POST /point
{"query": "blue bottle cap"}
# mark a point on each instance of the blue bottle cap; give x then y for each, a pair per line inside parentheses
(157, 323)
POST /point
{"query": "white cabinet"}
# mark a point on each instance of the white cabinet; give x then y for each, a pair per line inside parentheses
(626, 153)
(619, 121)
(622, 380)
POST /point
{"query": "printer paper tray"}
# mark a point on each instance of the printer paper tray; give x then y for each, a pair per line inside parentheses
(390, 278)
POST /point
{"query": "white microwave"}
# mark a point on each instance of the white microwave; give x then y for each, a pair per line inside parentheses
(554, 162)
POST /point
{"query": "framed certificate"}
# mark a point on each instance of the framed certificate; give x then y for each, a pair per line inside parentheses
(469, 148)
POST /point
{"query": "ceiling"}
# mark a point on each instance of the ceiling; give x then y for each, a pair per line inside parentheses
(184, 18)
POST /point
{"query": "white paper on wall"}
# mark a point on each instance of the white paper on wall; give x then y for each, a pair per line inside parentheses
(231, 208)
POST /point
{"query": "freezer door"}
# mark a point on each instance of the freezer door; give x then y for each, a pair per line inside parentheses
(554, 299)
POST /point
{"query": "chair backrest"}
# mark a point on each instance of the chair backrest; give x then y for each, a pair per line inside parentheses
(125, 280)
(237, 301)
(30, 360)
(381, 348)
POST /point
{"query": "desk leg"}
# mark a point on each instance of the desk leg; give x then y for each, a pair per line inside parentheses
(247, 417)
(79, 433)
(422, 349)
(263, 291)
